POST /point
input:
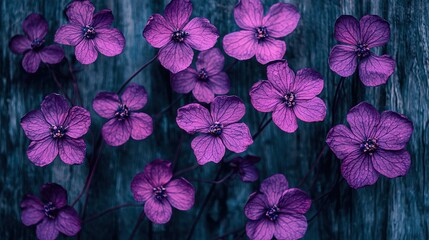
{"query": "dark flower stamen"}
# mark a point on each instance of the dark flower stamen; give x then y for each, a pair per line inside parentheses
(58, 131)
(122, 112)
(159, 192)
(369, 146)
(179, 36)
(89, 32)
(362, 50)
(202, 75)
(273, 213)
(289, 99)
(50, 210)
(261, 33)
(216, 129)
(37, 44)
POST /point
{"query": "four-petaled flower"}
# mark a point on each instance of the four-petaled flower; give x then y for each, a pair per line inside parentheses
(56, 128)
(245, 167)
(176, 36)
(360, 36)
(259, 33)
(218, 128)
(90, 32)
(289, 96)
(51, 214)
(124, 121)
(276, 211)
(32, 44)
(205, 81)
(155, 187)
(374, 145)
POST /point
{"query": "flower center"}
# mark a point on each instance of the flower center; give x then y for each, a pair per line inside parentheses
(369, 146)
(50, 210)
(159, 192)
(216, 129)
(122, 112)
(261, 33)
(89, 32)
(179, 35)
(58, 131)
(289, 99)
(362, 50)
(273, 213)
(37, 44)
(202, 75)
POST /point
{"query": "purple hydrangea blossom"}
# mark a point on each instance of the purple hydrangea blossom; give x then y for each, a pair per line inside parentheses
(289, 96)
(245, 167)
(206, 80)
(155, 187)
(56, 129)
(176, 36)
(124, 120)
(374, 144)
(32, 44)
(276, 210)
(218, 128)
(259, 33)
(51, 214)
(360, 36)
(90, 32)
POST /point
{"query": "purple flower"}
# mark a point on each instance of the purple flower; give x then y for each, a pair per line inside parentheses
(176, 36)
(289, 96)
(205, 81)
(155, 187)
(259, 33)
(56, 128)
(371, 31)
(374, 145)
(245, 167)
(32, 44)
(276, 211)
(51, 214)
(90, 32)
(124, 120)
(218, 128)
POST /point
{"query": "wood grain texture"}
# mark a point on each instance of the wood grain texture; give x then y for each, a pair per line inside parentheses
(390, 209)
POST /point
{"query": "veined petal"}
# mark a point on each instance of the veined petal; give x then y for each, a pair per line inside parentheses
(158, 32)
(343, 60)
(142, 189)
(141, 125)
(394, 131)
(106, 104)
(363, 120)
(256, 206)
(227, 109)
(35, 26)
(116, 132)
(308, 84)
(55, 109)
(281, 77)
(54, 193)
(273, 188)
(42, 152)
(180, 194)
(236, 137)
(208, 148)
(184, 81)
(219, 83)
(103, 19)
(158, 172)
(31, 62)
(19, 44)
(176, 56)
(77, 122)
(202, 92)
(194, 118)
(264, 96)
(290, 226)
(270, 50)
(211, 60)
(47, 230)
(241, 45)
(109, 41)
(52, 54)
(69, 34)
(285, 118)
(375, 70)
(85, 52)
(68, 221)
(262, 229)
(347, 30)
(72, 151)
(358, 170)
(158, 211)
(202, 34)
(391, 163)
(313, 110)
(35, 126)
(134, 97)
(282, 19)
(295, 201)
(177, 12)
(80, 12)
(248, 14)
(342, 141)
(375, 30)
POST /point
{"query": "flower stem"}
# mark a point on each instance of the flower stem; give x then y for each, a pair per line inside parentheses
(59, 85)
(185, 170)
(92, 218)
(337, 182)
(76, 92)
(261, 128)
(139, 220)
(137, 72)
(169, 106)
(226, 177)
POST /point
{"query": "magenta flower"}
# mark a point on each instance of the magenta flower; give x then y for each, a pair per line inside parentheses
(276, 211)
(176, 36)
(245, 167)
(56, 129)
(374, 145)
(371, 31)
(124, 120)
(259, 33)
(205, 81)
(51, 214)
(155, 187)
(90, 32)
(32, 44)
(218, 128)
(289, 96)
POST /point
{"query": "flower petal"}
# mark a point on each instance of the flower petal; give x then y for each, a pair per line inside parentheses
(294, 200)
(177, 12)
(343, 60)
(141, 188)
(158, 211)
(194, 118)
(32, 210)
(391, 163)
(55, 109)
(394, 131)
(241, 45)
(134, 97)
(141, 125)
(109, 41)
(208, 149)
(80, 12)
(54, 193)
(69, 34)
(184, 81)
(290, 226)
(227, 109)
(180, 194)
(281, 77)
(264, 96)
(35, 126)
(358, 170)
(342, 141)
(282, 19)
(158, 31)
(260, 230)
(19, 44)
(375, 70)
(285, 118)
(158, 172)
(85, 52)
(375, 30)
(270, 50)
(219, 83)
(202, 92)
(31, 62)
(248, 172)
(347, 30)
(68, 221)
(308, 84)
(72, 151)
(42, 152)
(202, 34)
(77, 122)
(106, 104)
(236, 137)
(248, 14)
(103, 19)
(273, 188)
(116, 132)
(211, 60)
(363, 120)
(176, 56)
(256, 206)
(35, 26)
(47, 230)
(313, 110)
(52, 54)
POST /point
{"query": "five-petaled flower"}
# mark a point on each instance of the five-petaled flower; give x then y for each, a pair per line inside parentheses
(289, 96)
(90, 32)
(51, 214)
(205, 81)
(360, 36)
(374, 145)
(155, 187)
(124, 120)
(32, 44)
(276, 211)
(176, 36)
(259, 33)
(56, 128)
(245, 167)
(218, 128)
